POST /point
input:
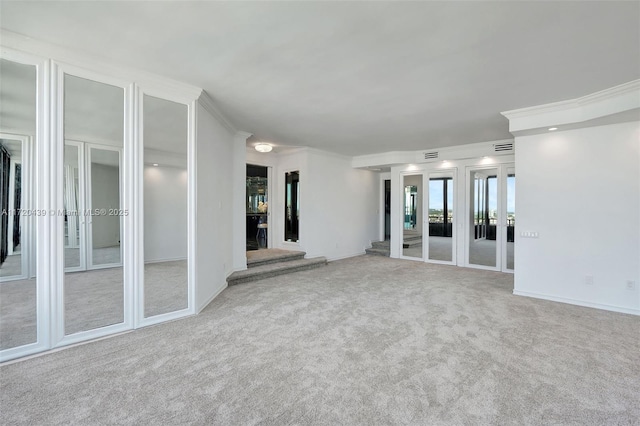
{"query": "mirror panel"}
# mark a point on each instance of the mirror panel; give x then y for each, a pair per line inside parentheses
(73, 217)
(484, 201)
(18, 290)
(412, 216)
(105, 199)
(441, 217)
(165, 206)
(94, 138)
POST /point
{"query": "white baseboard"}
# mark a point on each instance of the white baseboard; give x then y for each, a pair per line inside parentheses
(577, 302)
(164, 260)
(346, 256)
(216, 294)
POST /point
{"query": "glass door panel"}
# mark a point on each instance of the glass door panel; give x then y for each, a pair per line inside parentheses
(483, 247)
(511, 219)
(412, 216)
(93, 115)
(165, 206)
(441, 217)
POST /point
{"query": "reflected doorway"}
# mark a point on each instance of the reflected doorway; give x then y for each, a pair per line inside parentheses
(257, 207)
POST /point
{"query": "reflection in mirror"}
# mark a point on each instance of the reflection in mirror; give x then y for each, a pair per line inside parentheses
(18, 315)
(484, 197)
(72, 218)
(511, 217)
(105, 198)
(441, 218)
(412, 225)
(165, 206)
(94, 134)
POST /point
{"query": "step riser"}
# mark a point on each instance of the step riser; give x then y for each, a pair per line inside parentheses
(378, 252)
(270, 274)
(275, 260)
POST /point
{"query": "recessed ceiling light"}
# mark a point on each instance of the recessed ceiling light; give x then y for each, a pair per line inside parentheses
(551, 129)
(155, 164)
(263, 147)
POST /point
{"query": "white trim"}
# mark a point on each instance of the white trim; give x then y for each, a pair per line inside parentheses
(449, 153)
(192, 207)
(153, 84)
(577, 302)
(169, 316)
(344, 256)
(605, 103)
(209, 105)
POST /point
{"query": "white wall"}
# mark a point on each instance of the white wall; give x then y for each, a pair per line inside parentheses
(580, 190)
(165, 213)
(214, 200)
(339, 207)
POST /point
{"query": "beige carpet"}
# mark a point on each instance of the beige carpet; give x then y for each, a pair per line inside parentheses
(363, 341)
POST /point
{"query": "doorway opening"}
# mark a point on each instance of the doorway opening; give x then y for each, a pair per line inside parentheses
(387, 209)
(292, 206)
(257, 212)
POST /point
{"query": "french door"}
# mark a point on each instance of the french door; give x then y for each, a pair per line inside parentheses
(490, 224)
(92, 197)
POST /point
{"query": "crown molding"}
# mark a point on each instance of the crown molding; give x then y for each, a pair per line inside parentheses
(207, 102)
(457, 152)
(608, 102)
(150, 83)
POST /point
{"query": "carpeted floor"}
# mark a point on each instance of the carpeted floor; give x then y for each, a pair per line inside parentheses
(481, 252)
(92, 299)
(367, 340)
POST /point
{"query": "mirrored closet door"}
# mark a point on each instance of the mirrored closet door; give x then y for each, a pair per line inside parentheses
(92, 177)
(18, 290)
(165, 190)
(412, 217)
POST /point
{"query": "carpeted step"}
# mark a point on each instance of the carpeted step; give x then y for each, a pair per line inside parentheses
(381, 244)
(274, 269)
(378, 251)
(286, 256)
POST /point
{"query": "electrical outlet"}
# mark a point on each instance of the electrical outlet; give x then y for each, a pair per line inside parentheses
(631, 285)
(588, 279)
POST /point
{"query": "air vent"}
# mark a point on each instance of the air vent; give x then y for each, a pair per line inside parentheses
(430, 155)
(503, 147)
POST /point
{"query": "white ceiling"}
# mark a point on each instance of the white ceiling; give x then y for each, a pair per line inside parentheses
(358, 77)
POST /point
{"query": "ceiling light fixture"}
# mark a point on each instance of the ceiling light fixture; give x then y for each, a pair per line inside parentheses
(155, 164)
(551, 129)
(263, 147)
